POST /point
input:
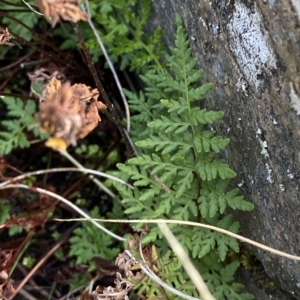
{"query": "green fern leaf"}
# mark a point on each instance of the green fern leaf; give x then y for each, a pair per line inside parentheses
(228, 272)
(195, 77)
(88, 242)
(163, 208)
(200, 93)
(206, 142)
(178, 107)
(209, 171)
(133, 209)
(204, 245)
(163, 143)
(205, 117)
(149, 194)
(168, 126)
(238, 202)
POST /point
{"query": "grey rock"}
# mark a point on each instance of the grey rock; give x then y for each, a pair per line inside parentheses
(250, 51)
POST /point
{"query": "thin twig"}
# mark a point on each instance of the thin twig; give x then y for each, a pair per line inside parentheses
(85, 171)
(103, 93)
(186, 262)
(65, 201)
(81, 167)
(32, 9)
(99, 40)
(180, 222)
(21, 249)
(25, 97)
(26, 295)
(16, 62)
(32, 283)
(72, 292)
(42, 261)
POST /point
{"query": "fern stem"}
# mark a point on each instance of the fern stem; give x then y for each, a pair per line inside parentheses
(23, 247)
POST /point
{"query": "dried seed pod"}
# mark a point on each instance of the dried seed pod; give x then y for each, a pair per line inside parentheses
(69, 112)
(66, 9)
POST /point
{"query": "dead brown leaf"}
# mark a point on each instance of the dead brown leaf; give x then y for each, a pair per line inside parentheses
(124, 262)
(6, 257)
(119, 292)
(4, 35)
(28, 221)
(68, 10)
(6, 288)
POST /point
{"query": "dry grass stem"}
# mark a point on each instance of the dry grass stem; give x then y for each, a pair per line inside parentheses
(186, 262)
(54, 170)
(180, 222)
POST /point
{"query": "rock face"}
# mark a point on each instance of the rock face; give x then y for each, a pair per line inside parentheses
(250, 51)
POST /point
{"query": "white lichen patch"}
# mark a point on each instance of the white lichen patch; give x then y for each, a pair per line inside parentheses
(269, 170)
(258, 131)
(290, 175)
(296, 4)
(249, 42)
(241, 184)
(281, 188)
(263, 144)
(203, 23)
(215, 28)
(295, 99)
(243, 86)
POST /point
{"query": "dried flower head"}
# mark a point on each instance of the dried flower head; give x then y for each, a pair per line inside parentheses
(68, 112)
(119, 292)
(4, 35)
(66, 9)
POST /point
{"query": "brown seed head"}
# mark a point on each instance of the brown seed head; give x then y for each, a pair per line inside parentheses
(69, 111)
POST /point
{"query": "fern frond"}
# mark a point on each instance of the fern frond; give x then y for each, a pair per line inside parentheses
(202, 116)
(14, 136)
(168, 126)
(181, 155)
(163, 143)
(87, 243)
